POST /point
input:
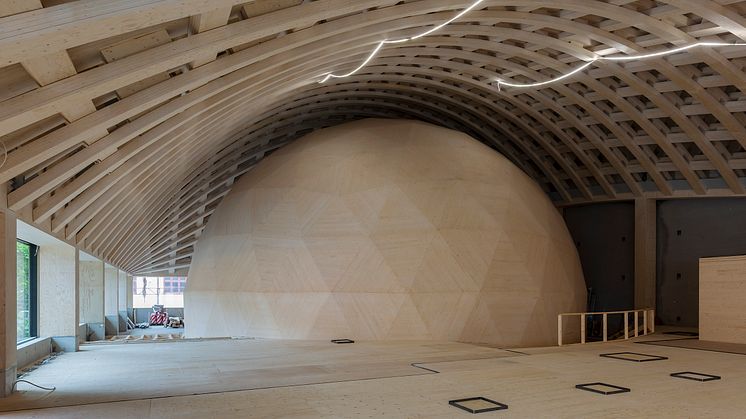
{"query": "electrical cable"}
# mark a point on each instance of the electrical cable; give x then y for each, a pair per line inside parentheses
(640, 57)
(13, 388)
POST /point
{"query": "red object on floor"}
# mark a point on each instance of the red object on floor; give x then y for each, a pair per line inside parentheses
(158, 318)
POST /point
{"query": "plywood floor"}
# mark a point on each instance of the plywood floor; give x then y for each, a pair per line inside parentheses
(301, 379)
(702, 345)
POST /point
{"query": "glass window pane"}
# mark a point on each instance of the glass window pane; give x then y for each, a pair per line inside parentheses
(168, 291)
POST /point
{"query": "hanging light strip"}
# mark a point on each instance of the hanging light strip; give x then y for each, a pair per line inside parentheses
(542, 83)
(501, 82)
(398, 41)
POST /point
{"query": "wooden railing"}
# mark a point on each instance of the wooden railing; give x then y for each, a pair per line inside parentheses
(648, 323)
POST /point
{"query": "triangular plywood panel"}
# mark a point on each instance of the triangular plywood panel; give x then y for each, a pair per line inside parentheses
(412, 256)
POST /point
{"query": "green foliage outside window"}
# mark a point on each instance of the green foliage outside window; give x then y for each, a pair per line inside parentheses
(23, 291)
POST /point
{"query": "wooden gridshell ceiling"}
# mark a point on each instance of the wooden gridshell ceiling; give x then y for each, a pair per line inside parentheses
(126, 122)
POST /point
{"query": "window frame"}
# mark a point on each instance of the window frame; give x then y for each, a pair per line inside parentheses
(165, 289)
(33, 290)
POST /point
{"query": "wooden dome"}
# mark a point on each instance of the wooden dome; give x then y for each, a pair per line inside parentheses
(385, 230)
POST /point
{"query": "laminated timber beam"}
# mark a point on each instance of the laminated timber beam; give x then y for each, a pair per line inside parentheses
(135, 180)
(58, 28)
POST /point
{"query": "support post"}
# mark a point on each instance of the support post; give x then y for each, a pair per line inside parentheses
(582, 328)
(91, 296)
(605, 327)
(559, 330)
(111, 300)
(7, 301)
(122, 300)
(645, 253)
(59, 314)
(637, 323)
(130, 298)
(626, 324)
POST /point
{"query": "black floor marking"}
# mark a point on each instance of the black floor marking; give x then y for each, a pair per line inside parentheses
(620, 355)
(496, 405)
(589, 387)
(416, 365)
(661, 343)
(682, 333)
(696, 376)
(515, 352)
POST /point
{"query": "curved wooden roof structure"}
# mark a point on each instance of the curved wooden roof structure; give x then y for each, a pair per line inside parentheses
(125, 123)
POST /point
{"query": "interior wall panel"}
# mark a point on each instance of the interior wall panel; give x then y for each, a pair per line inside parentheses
(687, 231)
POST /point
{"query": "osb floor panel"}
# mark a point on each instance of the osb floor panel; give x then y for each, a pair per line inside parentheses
(539, 385)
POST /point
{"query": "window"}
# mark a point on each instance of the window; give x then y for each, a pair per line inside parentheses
(26, 282)
(168, 291)
(174, 284)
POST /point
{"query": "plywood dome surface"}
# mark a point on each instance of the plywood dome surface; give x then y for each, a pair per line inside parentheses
(385, 230)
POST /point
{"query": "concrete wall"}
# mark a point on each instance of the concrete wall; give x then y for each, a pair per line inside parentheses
(92, 297)
(82, 332)
(122, 300)
(32, 351)
(111, 299)
(604, 235)
(130, 294)
(58, 287)
(687, 231)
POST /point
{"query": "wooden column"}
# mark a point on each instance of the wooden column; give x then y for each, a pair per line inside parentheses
(645, 252)
(7, 301)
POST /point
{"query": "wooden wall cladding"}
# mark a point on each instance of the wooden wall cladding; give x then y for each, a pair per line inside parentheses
(126, 124)
(385, 230)
(722, 291)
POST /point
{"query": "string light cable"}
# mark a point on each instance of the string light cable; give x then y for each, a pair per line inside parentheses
(640, 57)
(542, 83)
(502, 82)
(399, 41)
